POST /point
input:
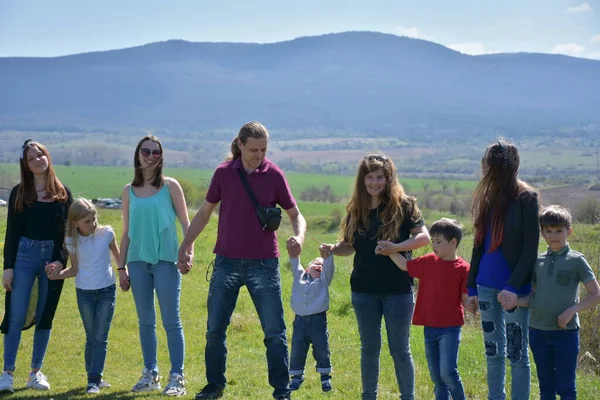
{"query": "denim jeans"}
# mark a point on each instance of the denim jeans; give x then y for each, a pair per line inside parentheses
(505, 335)
(97, 308)
(441, 349)
(310, 329)
(32, 257)
(555, 354)
(263, 280)
(165, 278)
(397, 309)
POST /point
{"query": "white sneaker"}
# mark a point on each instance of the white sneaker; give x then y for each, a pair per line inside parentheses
(38, 381)
(92, 388)
(175, 387)
(6, 382)
(103, 384)
(147, 382)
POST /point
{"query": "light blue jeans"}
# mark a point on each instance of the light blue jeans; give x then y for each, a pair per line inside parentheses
(397, 309)
(505, 335)
(32, 257)
(441, 350)
(165, 279)
(97, 308)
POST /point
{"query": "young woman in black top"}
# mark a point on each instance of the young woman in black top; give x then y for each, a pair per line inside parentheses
(35, 231)
(379, 210)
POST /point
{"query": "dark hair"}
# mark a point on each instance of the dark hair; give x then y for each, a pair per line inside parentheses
(394, 199)
(138, 177)
(555, 217)
(498, 187)
(254, 130)
(448, 228)
(27, 194)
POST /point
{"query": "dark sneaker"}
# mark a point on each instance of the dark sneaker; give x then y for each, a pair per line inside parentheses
(209, 392)
(326, 382)
(296, 381)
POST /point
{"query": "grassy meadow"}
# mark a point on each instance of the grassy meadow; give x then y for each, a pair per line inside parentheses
(247, 371)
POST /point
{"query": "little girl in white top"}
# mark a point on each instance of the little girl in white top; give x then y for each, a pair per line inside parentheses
(90, 246)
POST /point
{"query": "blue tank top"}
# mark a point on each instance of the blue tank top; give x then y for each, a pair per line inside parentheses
(152, 228)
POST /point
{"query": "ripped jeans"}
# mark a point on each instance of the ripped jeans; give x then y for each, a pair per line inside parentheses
(506, 335)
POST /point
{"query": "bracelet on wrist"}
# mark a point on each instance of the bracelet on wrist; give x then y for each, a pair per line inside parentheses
(121, 269)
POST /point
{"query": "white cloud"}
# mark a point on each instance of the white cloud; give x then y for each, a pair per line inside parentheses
(595, 56)
(585, 7)
(570, 49)
(412, 32)
(472, 48)
(596, 39)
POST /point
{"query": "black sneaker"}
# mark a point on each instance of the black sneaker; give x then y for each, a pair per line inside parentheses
(326, 382)
(209, 392)
(296, 381)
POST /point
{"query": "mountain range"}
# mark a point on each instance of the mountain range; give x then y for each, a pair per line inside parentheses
(351, 82)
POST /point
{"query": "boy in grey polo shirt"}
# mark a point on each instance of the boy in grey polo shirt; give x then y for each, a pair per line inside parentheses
(554, 303)
(310, 302)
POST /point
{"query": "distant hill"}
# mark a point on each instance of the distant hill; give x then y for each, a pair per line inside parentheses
(354, 81)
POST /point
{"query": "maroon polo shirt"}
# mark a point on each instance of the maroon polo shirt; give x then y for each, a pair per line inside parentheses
(240, 234)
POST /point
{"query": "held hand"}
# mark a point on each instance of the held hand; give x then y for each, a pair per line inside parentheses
(326, 250)
(473, 304)
(186, 265)
(385, 248)
(7, 278)
(565, 317)
(294, 246)
(124, 280)
(53, 270)
(508, 299)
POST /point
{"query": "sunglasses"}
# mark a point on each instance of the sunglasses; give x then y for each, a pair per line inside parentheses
(378, 158)
(155, 153)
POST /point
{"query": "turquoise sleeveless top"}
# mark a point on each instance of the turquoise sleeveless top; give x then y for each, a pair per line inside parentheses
(152, 228)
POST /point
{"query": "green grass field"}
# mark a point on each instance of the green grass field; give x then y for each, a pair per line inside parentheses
(92, 182)
(247, 372)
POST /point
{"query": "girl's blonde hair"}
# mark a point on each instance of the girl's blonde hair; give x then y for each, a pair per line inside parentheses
(80, 209)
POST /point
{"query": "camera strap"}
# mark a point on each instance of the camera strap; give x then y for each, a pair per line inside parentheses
(244, 178)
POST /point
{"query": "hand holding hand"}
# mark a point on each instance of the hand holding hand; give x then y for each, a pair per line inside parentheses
(124, 280)
(7, 278)
(185, 258)
(53, 270)
(326, 249)
(385, 248)
(508, 299)
(294, 246)
(473, 304)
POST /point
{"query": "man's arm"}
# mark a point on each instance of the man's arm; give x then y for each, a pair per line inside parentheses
(294, 243)
(196, 227)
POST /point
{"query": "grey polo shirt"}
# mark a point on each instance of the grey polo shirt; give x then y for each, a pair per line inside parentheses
(556, 279)
(311, 296)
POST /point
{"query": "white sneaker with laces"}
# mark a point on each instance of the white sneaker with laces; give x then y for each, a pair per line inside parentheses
(38, 381)
(175, 387)
(6, 382)
(149, 381)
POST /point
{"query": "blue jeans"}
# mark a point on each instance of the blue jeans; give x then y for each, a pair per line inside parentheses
(165, 278)
(555, 354)
(32, 257)
(505, 335)
(263, 281)
(97, 308)
(397, 309)
(310, 329)
(441, 349)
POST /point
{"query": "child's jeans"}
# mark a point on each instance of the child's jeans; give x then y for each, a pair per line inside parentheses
(97, 308)
(310, 329)
(555, 354)
(441, 349)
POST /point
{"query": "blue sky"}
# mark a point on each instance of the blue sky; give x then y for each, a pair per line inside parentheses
(50, 28)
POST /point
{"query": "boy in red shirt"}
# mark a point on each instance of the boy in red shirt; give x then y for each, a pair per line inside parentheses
(441, 299)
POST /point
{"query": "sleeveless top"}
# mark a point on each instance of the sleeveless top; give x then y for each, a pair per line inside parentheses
(152, 228)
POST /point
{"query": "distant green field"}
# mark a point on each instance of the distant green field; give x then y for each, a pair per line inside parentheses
(94, 182)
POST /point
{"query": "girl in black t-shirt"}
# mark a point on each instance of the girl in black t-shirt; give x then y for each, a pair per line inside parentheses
(380, 210)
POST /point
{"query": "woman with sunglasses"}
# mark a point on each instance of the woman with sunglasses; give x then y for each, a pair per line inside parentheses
(151, 205)
(379, 210)
(35, 233)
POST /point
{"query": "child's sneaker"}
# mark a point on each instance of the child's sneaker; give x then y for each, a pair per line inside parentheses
(149, 381)
(326, 382)
(103, 384)
(175, 387)
(92, 388)
(296, 381)
(38, 381)
(6, 382)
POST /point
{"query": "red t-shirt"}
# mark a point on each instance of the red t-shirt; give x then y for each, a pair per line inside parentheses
(441, 285)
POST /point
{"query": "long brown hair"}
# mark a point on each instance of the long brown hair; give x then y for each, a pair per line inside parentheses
(393, 198)
(498, 187)
(27, 194)
(254, 130)
(138, 177)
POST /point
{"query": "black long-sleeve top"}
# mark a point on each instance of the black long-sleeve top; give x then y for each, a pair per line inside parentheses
(38, 221)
